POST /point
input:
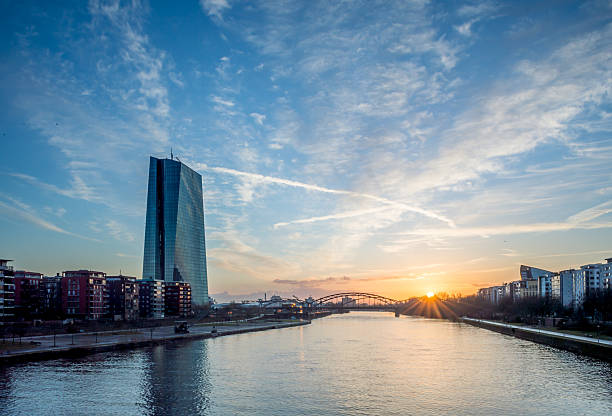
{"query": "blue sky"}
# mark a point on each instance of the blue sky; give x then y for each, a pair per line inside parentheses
(396, 147)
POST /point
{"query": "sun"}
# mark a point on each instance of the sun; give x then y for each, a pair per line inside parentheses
(430, 294)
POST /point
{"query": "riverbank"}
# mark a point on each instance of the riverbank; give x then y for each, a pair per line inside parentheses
(593, 347)
(73, 345)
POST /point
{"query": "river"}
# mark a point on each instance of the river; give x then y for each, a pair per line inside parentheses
(362, 363)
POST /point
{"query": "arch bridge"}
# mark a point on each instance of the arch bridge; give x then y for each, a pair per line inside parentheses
(357, 300)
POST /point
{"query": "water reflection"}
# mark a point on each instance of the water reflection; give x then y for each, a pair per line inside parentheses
(176, 380)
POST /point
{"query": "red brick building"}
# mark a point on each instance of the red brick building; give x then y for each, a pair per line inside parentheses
(178, 299)
(27, 293)
(84, 294)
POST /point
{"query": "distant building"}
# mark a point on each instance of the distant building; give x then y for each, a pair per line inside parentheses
(562, 287)
(570, 287)
(27, 293)
(177, 299)
(174, 249)
(84, 294)
(529, 272)
(151, 298)
(51, 297)
(7, 290)
(579, 288)
(593, 277)
(123, 297)
(508, 291)
(515, 289)
(529, 288)
(607, 274)
(348, 301)
(544, 285)
(491, 294)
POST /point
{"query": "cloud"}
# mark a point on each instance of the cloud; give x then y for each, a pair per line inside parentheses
(592, 213)
(236, 256)
(221, 101)
(259, 118)
(118, 231)
(130, 256)
(78, 190)
(346, 279)
(279, 181)
(147, 62)
(120, 118)
(606, 253)
(20, 210)
(59, 212)
(534, 107)
(348, 214)
(507, 229)
(214, 7)
(466, 28)
(479, 9)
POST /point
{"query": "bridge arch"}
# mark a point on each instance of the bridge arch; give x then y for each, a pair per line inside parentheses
(354, 299)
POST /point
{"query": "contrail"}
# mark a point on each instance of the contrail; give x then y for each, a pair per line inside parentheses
(295, 184)
(348, 214)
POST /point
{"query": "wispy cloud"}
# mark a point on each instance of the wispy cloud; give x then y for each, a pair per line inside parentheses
(347, 280)
(535, 108)
(591, 213)
(508, 229)
(221, 101)
(22, 211)
(286, 182)
(78, 189)
(119, 232)
(59, 212)
(342, 215)
(138, 52)
(214, 7)
(234, 255)
(259, 118)
(474, 13)
(130, 256)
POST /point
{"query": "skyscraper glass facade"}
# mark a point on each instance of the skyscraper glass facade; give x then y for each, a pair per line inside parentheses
(174, 233)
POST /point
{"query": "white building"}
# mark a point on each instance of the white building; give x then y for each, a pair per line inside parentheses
(491, 294)
(562, 287)
(544, 285)
(578, 288)
(593, 277)
(607, 274)
(570, 287)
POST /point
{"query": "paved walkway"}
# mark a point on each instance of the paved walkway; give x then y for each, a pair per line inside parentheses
(99, 340)
(543, 331)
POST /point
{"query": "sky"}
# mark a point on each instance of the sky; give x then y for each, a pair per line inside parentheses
(390, 147)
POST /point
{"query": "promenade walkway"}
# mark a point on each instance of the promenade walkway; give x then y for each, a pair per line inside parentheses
(52, 346)
(542, 331)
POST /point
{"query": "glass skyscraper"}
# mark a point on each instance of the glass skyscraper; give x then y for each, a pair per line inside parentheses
(174, 249)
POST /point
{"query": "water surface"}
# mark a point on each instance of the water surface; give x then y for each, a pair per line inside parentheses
(353, 364)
